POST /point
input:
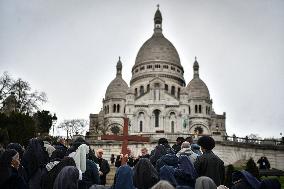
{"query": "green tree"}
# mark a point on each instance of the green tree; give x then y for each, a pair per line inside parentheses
(115, 129)
(252, 168)
(20, 127)
(44, 120)
(228, 178)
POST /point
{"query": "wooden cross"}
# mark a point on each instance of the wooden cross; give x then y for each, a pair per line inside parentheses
(125, 138)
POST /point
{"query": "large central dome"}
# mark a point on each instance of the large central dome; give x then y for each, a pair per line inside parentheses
(157, 48)
(157, 58)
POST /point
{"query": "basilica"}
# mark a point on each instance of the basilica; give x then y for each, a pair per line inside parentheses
(157, 99)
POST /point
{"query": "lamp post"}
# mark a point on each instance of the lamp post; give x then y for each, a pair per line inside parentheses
(54, 119)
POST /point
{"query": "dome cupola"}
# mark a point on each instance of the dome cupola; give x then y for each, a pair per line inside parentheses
(117, 87)
(196, 88)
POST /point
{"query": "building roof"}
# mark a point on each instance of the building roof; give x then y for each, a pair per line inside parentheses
(117, 87)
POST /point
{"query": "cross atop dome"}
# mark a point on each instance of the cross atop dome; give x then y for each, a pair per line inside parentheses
(118, 67)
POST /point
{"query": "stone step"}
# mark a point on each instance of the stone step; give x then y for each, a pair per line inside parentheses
(110, 175)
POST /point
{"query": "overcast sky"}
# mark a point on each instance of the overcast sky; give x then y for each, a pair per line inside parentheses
(69, 49)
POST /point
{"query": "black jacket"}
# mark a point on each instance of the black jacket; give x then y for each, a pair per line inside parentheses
(210, 165)
(104, 168)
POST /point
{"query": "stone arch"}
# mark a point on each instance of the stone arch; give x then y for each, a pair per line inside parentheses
(199, 126)
(115, 124)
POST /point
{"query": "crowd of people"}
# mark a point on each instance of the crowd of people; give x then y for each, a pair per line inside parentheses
(185, 165)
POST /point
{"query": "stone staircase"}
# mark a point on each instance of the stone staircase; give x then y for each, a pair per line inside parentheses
(110, 175)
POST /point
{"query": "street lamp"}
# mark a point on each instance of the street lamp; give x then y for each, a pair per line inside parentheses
(54, 119)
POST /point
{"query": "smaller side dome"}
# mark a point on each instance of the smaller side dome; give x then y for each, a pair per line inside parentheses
(118, 87)
(196, 88)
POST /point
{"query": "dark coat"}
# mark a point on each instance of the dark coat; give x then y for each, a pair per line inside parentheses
(14, 181)
(61, 147)
(145, 175)
(185, 173)
(104, 168)
(123, 178)
(67, 178)
(168, 159)
(90, 176)
(159, 151)
(210, 165)
(244, 179)
(50, 176)
(34, 160)
(168, 173)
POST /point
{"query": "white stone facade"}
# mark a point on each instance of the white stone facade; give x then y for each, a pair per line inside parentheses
(158, 99)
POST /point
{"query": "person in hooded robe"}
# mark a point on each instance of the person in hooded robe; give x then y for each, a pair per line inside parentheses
(204, 182)
(9, 175)
(20, 150)
(67, 178)
(88, 168)
(34, 161)
(168, 159)
(185, 173)
(49, 178)
(209, 164)
(145, 175)
(168, 173)
(244, 179)
(163, 184)
(123, 178)
(160, 150)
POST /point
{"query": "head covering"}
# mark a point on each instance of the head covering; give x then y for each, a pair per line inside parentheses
(205, 183)
(163, 141)
(145, 175)
(123, 178)
(49, 179)
(158, 152)
(80, 157)
(17, 147)
(34, 157)
(5, 164)
(67, 178)
(185, 145)
(163, 184)
(206, 142)
(196, 149)
(57, 155)
(167, 173)
(247, 177)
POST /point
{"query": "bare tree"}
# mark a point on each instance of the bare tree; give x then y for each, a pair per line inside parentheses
(73, 126)
(28, 101)
(101, 125)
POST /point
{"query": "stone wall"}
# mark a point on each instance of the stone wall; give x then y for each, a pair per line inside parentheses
(229, 152)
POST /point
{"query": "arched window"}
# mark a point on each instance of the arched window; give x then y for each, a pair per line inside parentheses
(135, 92)
(141, 126)
(107, 109)
(178, 92)
(157, 116)
(200, 109)
(196, 109)
(148, 88)
(141, 90)
(172, 126)
(173, 91)
(208, 110)
(189, 110)
(118, 108)
(124, 109)
(114, 108)
(166, 87)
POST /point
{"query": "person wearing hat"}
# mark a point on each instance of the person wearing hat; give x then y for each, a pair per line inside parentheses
(209, 164)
